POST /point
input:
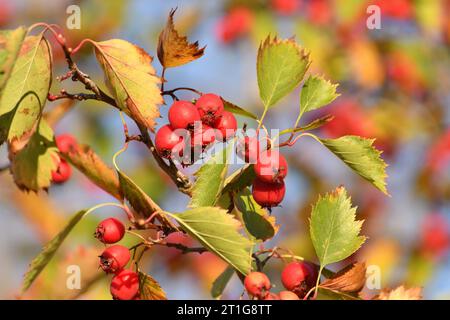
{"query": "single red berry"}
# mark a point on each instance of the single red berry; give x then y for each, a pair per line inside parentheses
(272, 296)
(114, 258)
(268, 195)
(63, 172)
(125, 285)
(183, 115)
(257, 284)
(248, 149)
(226, 126)
(299, 277)
(210, 108)
(288, 295)
(286, 7)
(235, 24)
(168, 143)
(271, 166)
(110, 231)
(65, 142)
(203, 136)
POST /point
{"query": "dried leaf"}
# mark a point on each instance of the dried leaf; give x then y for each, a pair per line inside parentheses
(175, 50)
(350, 279)
(150, 288)
(401, 293)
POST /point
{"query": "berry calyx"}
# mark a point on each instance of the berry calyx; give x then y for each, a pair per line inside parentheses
(125, 285)
(65, 142)
(257, 284)
(183, 115)
(62, 173)
(288, 295)
(271, 166)
(210, 108)
(110, 231)
(248, 149)
(114, 258)
(268, 195)
(168, 143)
(226, 126)
(299, 277)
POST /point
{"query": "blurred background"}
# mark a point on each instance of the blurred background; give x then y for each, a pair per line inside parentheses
(394, 85)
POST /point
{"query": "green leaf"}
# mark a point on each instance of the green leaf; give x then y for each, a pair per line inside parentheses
(237, 110)
(281, 66)
(210, 180)
(149, 288)
(10, 43)
(26, 89)
(257, 222)
(333, 229)
(221, 282)
(131, 79)
(32, 166)
(310, 126)
(240, 179)
(218, 232)
(44, 257)
(360, 155)
(316, 92)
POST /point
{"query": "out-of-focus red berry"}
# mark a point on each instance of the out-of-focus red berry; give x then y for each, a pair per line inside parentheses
(234, 24)
(398, 9)
(435, 236)
(286, 7)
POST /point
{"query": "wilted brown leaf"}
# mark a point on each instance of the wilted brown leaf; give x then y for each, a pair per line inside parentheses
(350, 279)
(401, 293)
(175, 50)
(150, 288)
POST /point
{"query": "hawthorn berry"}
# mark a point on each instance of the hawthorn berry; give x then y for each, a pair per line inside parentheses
(63, 172)
(271, 166)
(203, 136)
(288, 295)
(210, 108)
(272, 296)
(236, 23)
(248, 149)
(226, 126)
(125, 285)
(183, 115)
(266, 194)
(286, 7)
(299, 277)
(65, 142)
(168, 143)
(110, 231)
(114, 258)
(257, 284)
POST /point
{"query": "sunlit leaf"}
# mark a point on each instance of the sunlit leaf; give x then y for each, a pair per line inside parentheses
(316, 92)
(10, 44)
(149, 288)
(221, 282)
(237, 110)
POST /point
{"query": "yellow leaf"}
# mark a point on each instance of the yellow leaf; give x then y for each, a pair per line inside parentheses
(401, 293)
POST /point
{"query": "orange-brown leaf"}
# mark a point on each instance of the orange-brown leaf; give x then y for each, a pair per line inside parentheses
(401, 293)
(175, 50)
(350, 279)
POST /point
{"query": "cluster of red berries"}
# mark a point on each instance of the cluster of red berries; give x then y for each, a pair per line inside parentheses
(268, 187)
(125, 282)
(297, 277)
(63, 172)
(194, 127)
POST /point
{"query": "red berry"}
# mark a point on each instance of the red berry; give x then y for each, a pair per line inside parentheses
(183, 115)
(271, 166)
(248, 149)
(65, 142)
(226, 126)
(110, 231)
(210, 108)
(257, 284)
(114, 258)
(299, 277)
(125, 285)
(168, 143)
(268, 195)
(288, 295)
(272, 296)
(286, 7)
(63, 172)
(236, 23)
(203, 136)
